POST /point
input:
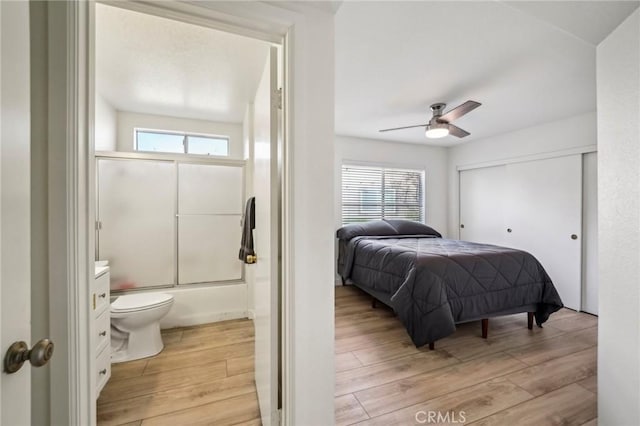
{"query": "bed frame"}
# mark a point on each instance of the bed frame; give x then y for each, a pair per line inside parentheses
(385, 299)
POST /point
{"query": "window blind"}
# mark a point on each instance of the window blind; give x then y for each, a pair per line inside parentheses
(370, 193)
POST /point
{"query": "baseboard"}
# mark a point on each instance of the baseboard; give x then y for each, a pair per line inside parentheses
(251, 314)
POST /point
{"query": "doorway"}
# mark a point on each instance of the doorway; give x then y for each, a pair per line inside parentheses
(66, 67)
(187, 122)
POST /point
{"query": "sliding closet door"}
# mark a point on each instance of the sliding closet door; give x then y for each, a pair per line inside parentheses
(209, 222)
(136, 212)
(544, 217)
(482, 201)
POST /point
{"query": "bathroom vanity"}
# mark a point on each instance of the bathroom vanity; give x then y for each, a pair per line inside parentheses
(101, 326)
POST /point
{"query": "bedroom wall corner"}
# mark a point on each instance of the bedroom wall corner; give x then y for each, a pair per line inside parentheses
(618, 85)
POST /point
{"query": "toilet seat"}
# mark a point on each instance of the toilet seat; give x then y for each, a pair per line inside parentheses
(140, 302)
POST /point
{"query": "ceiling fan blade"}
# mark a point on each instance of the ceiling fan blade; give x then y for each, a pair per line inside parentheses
(457, 131)
(406, 127)
(459, 111)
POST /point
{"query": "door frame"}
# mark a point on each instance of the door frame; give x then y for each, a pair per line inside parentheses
(69, 181)
(72, 183)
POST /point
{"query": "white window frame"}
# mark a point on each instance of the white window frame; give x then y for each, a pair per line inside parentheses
(394, 166)
(185, 140)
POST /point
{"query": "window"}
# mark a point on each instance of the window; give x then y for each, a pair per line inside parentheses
(181, 143)
(370, 193)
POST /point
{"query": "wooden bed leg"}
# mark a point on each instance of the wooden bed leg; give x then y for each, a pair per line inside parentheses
(374, 303)
(432, 346)
(530, 320)
(485, 327)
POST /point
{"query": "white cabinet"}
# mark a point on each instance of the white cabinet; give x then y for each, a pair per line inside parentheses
(534, 206)
(101, 327)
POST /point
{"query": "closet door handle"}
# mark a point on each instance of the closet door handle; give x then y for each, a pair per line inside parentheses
(574, 237)
(509, 230)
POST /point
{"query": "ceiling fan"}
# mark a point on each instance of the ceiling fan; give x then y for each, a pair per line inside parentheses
(440, 124)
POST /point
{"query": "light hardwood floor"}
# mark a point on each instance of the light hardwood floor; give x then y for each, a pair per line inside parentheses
(204, 376)
(546, 376)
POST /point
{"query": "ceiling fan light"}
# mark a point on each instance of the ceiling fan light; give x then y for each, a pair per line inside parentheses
(438, 130)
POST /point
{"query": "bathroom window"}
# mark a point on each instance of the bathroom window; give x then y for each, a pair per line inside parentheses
(181, 143)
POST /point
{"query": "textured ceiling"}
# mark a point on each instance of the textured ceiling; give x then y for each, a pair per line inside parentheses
(159, 66)
(394, 59)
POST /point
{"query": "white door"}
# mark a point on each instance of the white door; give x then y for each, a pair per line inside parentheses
(15, 305)
(266, 240)
(482, 200)
(544, 217)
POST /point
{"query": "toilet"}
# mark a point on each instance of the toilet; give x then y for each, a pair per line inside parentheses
(135, 325)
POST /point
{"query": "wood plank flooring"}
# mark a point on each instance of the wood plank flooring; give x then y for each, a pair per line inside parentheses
(204, 376)
(544, 376)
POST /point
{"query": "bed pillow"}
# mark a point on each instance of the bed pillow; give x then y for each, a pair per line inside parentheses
(409, 227)
(374, 227)
(385, 228)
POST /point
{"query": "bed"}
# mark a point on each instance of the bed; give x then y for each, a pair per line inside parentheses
(433, 283)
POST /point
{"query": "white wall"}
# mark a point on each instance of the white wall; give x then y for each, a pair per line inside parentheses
(618, 80)
(432, 159)
(573, 132)
(106, 123)
(128, 121)
(311, 241)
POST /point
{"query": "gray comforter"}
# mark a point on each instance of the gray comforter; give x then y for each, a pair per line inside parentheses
(434, 283)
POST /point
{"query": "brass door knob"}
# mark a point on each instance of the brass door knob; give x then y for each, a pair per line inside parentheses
(19, 352)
